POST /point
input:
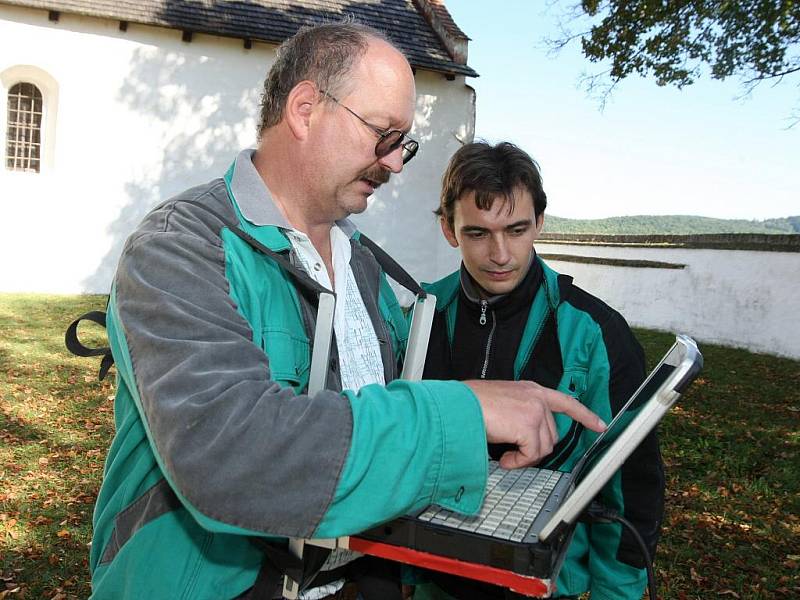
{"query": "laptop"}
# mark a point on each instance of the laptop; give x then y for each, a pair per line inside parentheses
(527, 518)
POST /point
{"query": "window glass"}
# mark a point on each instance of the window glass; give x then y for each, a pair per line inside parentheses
(24, 128)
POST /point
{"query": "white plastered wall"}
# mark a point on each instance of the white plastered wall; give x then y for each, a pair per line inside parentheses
(142, 115)
(739, 298)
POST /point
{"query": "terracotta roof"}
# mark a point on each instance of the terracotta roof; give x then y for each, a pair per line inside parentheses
(446, 18)
(273, 21)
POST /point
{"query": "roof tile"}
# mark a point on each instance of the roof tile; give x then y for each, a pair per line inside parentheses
(275, 20)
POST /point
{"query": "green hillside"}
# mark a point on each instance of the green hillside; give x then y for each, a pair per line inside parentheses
(669, 224)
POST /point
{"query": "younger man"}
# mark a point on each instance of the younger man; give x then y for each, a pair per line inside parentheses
(507, 315)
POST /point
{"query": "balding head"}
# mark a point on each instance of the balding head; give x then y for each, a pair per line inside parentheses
(326, 55)
(385, 69)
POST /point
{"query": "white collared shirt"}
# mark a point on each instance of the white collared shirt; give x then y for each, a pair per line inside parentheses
(359, 352)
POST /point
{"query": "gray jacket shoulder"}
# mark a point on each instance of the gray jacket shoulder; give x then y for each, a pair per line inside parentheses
(200, 211)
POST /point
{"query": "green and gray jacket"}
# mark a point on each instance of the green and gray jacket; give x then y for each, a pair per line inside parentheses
(216, 442)
(571, 341)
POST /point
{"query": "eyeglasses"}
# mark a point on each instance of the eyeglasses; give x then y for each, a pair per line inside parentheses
(390, 139)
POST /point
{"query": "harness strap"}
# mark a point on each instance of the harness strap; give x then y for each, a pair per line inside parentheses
(389, 265)
(279, 561)
(392, 268)
(296, 273)
(75, 346)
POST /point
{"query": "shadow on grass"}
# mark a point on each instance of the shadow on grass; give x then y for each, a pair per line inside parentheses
(731, 451)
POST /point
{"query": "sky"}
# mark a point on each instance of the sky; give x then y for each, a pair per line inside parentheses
(703, 150)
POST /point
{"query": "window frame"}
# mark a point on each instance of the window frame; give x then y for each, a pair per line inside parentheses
(49, 89)
(23, 150)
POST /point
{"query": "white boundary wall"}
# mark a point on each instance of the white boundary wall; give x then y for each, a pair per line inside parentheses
(748, 299)
(141, 115)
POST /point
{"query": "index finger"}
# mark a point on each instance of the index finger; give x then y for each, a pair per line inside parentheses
(563, 403)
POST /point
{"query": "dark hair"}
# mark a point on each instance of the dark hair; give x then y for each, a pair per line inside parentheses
(491, 172)
(324, 54)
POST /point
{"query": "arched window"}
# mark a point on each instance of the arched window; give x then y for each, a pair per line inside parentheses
(24, 128)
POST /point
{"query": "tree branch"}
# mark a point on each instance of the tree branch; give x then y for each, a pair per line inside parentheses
(765, 76)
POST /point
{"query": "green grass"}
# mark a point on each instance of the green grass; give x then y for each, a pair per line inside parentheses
(732, 527)
(55, 426)
(731, 449)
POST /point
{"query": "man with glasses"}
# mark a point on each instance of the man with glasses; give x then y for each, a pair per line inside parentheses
(219, 447)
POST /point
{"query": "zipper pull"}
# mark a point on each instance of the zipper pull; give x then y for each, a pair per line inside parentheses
(484, 304)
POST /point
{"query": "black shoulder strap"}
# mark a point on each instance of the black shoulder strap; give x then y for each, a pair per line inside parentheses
(75, 346)
(279, 561)
(389, 265)
(392, 268)
(300, 276)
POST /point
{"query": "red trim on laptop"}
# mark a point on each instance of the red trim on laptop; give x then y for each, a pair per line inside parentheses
(529, 586)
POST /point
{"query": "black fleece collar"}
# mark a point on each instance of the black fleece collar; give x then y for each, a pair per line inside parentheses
(518, 298)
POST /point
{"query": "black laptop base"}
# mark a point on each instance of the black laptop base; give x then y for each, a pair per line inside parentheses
(539, 560)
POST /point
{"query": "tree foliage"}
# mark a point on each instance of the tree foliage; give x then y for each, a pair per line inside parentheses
(676, 41)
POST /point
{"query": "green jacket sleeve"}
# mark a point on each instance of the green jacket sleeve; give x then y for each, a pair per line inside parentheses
(412, 444)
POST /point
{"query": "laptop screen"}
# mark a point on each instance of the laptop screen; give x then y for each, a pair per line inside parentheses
(624, 416)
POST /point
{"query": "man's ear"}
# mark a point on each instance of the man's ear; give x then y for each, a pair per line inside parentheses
(299, 104)
(448, 232)
(539, 225)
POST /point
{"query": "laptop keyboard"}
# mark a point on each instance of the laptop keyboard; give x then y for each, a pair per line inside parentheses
(513, 500)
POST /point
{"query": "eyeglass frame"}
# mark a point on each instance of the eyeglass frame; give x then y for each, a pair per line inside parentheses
(383, 134)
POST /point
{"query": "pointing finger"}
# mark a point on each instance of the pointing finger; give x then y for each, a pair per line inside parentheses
(568, 405)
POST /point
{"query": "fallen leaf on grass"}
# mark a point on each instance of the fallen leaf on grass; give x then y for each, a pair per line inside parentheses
(63, 533)
(7, 587)
(729, 593)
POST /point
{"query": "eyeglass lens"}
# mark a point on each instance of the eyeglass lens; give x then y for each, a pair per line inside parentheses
(391, 141)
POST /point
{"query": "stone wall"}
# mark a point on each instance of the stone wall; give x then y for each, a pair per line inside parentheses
(735, 289)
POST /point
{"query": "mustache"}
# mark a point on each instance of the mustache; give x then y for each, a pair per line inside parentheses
(376, 174)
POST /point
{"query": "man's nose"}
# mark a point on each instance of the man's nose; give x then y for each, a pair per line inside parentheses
(393, 161)
(499, 253)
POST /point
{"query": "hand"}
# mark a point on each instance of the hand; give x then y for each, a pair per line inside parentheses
(521, 413)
